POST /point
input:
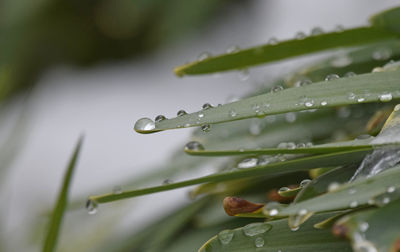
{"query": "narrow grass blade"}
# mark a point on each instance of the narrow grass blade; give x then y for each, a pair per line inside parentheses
(365, 88)
(276, 236)
(299, 164)
(317, 149)
(285, 49)
(351, 195)
(62, 201)
(375, 229)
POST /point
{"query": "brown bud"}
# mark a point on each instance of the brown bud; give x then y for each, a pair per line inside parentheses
(340, 230)
(234, 205)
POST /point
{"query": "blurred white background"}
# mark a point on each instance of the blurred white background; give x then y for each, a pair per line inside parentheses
(103, 103)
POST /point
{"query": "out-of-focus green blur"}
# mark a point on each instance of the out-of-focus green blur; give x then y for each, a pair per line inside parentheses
(37, 34)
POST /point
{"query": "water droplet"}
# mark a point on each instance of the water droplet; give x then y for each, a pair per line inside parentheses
(364, 226)
(294, 229)
(244, 74)
(350, 74)
(253, 229)
(233, 49)
(324, 103)
(382, 54)
(309, 103)
(300, 217)
(160, 118)
(194, 146)
(255, 128)
(181, 112)
(330, 77)
(206, 106)
(361, 99)
(117, 190)
(206, 127)
(317, 31)
(391, 189)
(304, 182)
(284, 189)
(167, 182)
(290, 117)
(339, 28)
(302, 82)
(300, 145)
(351, 96)
(225, 237)
(276, 89)
(144, 124)
(334, 186)
(300, 35)
(273, 41)
(204, 56)
(341, 61)
(353, 204)
(259, 242)
(273, 212)
(91, 206)
(352, 191)
(232, 113)
(377, 69)
(247, 163)
(309, 144)
(385, 97)
(200, 115)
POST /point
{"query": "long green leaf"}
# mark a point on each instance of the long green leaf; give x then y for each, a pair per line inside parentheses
(376, 229)
(285, 49)
(360, 192)
(276, 236)
(300, 164)
(365, 88)
(316, 149)
(62, 201)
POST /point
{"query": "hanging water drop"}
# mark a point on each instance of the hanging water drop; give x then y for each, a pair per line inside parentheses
(273, 212)
(259, 242)
(391, 189)
(144, 124)
(324, 103)
(253, 229)
(194, 146)
(200, 115)
(361, 99)
(385, 97)
(206, 127)
(181, 112)
(330, 77)
(160, 118)
(91, 206)
(225, 237)
(309, 103)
